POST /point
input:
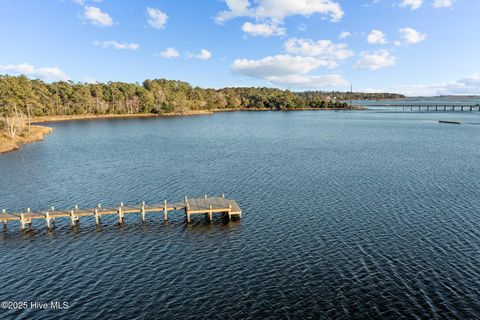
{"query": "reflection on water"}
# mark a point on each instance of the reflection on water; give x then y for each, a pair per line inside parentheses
(346, 215)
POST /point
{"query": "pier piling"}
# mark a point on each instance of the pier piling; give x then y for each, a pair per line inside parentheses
(120, 214)
(210, 214)
(47, 218)
(74, 218)
(165, 211)
(97, 217)
(143, 211)
(5, 220)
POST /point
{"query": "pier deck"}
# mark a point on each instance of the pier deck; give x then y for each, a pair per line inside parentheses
(191, 206)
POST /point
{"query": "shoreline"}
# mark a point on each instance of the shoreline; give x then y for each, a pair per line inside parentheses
(42, 119)
(38, 133)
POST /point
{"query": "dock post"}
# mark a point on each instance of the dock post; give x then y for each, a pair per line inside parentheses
(22, 220)
(187, 210)
(210, 214)
(97, 217)
(165, 211)
(5, 218)
(47, 218)
(229, 212)
(120, 214)
(143, 211)
(73, 219)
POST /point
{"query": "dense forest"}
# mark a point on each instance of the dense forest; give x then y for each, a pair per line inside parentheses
(22, 98)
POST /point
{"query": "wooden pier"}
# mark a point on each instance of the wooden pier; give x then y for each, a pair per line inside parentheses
(424, 107)
(207, 206)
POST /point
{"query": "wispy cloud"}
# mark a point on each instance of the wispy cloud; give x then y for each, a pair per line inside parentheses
(97, 17)
(44, 73)
(156, 18)
(117, 45)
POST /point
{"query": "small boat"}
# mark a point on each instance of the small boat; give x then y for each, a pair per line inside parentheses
(449, 122)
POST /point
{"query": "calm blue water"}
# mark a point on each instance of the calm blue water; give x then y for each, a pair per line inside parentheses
(346, 215)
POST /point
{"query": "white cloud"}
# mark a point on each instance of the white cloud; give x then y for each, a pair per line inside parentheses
(312, 82)
(466, 86)
(324, 48)
(412, 36)
(376, 37)
(157, 18)
(170, 53)
(97, 17)
(263, 29)
(442, 3)
(288, 70)
(203, 55)
(344, 35)
(375, 60)
(44, 73)
(83, 2)
(413, 4)
(277, 10)
(280, 65)
(117, 45)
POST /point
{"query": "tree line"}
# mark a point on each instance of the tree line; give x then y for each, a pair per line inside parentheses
(21, 97)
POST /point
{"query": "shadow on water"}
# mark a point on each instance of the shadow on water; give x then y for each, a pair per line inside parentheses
(198, 225)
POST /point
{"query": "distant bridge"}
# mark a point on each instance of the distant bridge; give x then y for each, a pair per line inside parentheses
(425, 107)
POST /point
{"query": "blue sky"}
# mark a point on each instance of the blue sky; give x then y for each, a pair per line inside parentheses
(410, 46)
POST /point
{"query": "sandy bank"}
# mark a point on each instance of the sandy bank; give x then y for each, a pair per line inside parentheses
(37, 133)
